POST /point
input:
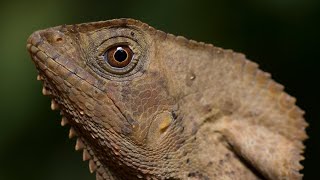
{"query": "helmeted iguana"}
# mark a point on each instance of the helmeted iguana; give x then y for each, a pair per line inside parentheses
(145, 104)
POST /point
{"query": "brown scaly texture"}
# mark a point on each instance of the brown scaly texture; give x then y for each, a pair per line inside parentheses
(179, 110)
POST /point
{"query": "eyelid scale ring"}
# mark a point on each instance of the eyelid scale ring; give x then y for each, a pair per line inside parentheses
(123, 69)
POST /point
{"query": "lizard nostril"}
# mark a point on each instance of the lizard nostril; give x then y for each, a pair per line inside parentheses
(56, 38)
(53, 37)
(59, 39)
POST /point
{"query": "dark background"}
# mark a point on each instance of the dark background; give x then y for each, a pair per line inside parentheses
(281, 35)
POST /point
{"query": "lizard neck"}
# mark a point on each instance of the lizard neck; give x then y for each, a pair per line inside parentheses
(128, 159)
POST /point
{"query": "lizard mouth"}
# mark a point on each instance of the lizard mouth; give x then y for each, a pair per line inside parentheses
(44, 63)
(48, 61)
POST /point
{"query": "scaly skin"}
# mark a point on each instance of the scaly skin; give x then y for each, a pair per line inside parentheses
(179, 110)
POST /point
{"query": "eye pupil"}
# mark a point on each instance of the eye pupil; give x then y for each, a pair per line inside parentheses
(120, 54)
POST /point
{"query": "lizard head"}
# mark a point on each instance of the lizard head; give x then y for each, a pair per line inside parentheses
(110, 81)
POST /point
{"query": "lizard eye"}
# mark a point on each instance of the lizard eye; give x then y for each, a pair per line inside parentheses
(118, 56)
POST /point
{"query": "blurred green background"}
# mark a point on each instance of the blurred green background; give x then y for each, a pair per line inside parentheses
(281, 35)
